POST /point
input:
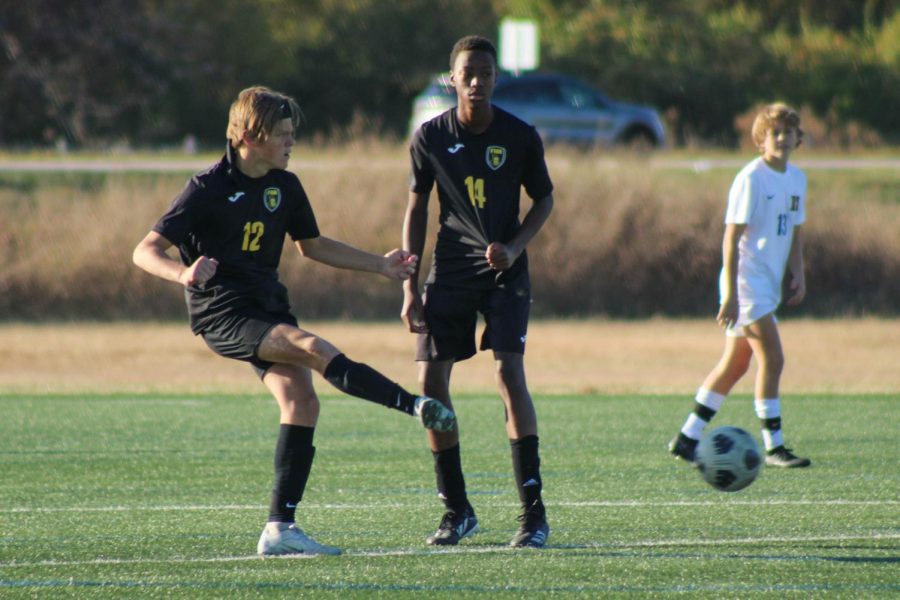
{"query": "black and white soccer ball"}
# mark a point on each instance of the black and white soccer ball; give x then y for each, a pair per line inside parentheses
(728, 458)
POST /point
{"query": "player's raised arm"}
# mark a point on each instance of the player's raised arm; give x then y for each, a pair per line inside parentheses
(396, 264)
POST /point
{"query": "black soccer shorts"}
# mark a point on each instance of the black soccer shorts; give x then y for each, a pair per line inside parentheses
(451, 315)
(238, 335)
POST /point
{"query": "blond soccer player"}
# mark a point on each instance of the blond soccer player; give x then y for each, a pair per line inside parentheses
(762, 243)
(229, 225)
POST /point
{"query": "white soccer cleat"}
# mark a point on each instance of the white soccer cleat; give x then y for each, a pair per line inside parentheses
(434, 415)
(279, 539)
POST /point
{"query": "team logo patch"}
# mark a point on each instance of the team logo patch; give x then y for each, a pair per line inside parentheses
(272, 198)
(495, 156)
(795, 203)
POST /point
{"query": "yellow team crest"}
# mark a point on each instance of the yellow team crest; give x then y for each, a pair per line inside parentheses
(272, 198)
(495, 157)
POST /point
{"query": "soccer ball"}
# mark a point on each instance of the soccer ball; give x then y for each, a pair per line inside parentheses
(728, 458)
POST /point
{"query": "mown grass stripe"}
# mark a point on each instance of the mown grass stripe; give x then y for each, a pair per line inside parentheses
(346, 586)
(468, 550)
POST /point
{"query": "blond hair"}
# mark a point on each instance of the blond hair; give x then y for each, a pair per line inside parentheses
(256, 112)
(771, 115)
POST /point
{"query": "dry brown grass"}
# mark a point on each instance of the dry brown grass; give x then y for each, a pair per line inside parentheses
(577, 356)
(625, 240)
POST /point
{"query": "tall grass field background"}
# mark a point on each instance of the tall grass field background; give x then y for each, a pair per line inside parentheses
(164, 496)
(627, 238)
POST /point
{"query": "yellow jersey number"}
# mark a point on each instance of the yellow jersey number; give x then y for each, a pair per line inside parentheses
(253, 231)
(476, 191)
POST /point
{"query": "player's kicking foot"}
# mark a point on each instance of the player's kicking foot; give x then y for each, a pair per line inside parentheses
(784, 458)
(534, 531)
(279, 539)
(434, 415)
(454, 527)
(684, 448)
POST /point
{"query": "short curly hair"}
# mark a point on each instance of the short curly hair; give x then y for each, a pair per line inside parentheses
(769, 116)
(256, 111)
(472, 43)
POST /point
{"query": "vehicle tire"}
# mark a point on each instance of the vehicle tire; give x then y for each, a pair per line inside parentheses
(639, 140)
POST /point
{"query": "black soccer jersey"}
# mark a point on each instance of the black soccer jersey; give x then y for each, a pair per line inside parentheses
(479, 178)
(242, 223)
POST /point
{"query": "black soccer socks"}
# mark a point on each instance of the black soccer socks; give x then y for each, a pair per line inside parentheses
(451, 484)
(293, 460)
(362, 381)
(527, 469)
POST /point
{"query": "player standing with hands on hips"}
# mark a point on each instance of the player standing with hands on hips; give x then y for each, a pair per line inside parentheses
(766, 207)
(229, 224)
(480, 156)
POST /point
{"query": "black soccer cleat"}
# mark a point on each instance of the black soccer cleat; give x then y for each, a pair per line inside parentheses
(454, 527)
(784, 458)
(534, 531)
(684, 448)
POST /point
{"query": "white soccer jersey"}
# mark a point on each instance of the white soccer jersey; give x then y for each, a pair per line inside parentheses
(770, 204)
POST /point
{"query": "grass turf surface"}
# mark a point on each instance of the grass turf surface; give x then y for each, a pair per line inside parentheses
(165, 496)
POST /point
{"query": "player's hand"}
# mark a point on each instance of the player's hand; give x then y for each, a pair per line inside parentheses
(501, 256)
(413, 313)
(200, 272)
(399, 264)
(798, 290)
(728, 312)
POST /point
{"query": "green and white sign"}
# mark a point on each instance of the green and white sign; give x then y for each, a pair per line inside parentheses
(519, 47)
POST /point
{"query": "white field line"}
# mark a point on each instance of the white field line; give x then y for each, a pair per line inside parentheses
(585, 504)
(463, 550)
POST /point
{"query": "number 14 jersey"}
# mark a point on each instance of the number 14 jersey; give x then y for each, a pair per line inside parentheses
(479, 178)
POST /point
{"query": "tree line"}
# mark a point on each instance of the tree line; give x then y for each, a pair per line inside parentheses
(150, 72)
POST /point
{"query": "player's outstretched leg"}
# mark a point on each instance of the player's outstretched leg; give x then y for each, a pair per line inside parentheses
(362, 381)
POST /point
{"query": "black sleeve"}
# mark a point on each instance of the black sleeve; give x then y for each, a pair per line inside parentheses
(421, 178)
(536, 178)
(302, 221)
(178, 222)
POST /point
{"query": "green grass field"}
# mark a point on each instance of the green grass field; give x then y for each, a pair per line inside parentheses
(165, 496)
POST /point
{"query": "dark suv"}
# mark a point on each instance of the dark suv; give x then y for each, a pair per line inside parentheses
(563, 109)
